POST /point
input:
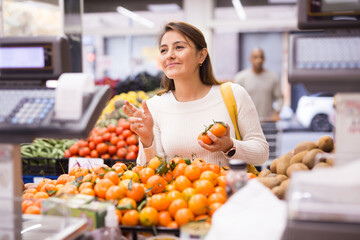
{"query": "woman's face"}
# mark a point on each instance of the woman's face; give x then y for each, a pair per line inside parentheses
(178, 56)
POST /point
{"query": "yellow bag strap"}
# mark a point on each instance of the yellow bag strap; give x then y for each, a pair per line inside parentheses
(230, 103)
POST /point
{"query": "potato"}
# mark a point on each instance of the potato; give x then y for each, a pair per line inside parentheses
(296, 167)
(321, 165)
(285, 183)
(282, 177)
(283, 163)
(307, 145)
(298, 157)
(279, 191)
(273, 166)
(325, 143)
(309, 158)
(264, 173)
(269, 182)
(271, 175)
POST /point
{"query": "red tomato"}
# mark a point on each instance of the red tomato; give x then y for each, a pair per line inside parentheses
(84, 151)
(112, 150)
(74, 149)
(98, 139)
(105, 156)
(102, 131)
(133, 148)
(123, 123)
(81, 143)
(94, 154)
(131, 155)
(121, 144)
(132, 140)
(102, 148)
(92, 145)
(119, 130)
(121, 152)
(114, 140)
(67, 153)
(111, 128)
(126, 133)
(106, 137)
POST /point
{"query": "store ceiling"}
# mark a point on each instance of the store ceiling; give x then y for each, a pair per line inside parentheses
(92, 6)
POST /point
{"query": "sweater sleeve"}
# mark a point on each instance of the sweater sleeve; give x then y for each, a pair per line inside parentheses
(253, 147)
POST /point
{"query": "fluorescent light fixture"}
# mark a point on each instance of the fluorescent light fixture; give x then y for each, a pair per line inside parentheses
(168, 7)
(239, 9)
(135, 17)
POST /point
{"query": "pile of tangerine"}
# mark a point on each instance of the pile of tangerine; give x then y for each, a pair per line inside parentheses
(171, 198)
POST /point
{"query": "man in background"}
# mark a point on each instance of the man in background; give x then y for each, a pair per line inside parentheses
(263, 87)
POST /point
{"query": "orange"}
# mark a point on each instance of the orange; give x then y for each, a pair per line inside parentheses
(31, 190)
(62, 179)
(176, 205)
(125, 183)
(214, 167)
(137, 169)
(70, 178)
(115, 193)
(50, 189)
(33, 209)
(88, 191)
(204, 186)
(102, 186)
(42, 183)
(192, 172)
(173, 194)
(127, 204)
(25, 204)
(172, 224)
(145, 174)
(201, 164)
(213, 207)
(177, 160)
(112, 176)
(81, 172)
(188, 193)
(68, 188)
(216, 197)
(41, 195)
(164, 218)
(154, 163)
(130, 218)
(184, 216)
(168, 177)
(203, 218)
(74, 170)
(210, 175)
(131, 175)
(251, 175)
(137, 192)
(224, 171)
(84, 185)
(156, 184)
(170, 187)
(100, 170)
(221, 180)
(119, 165)
(221, 190)
(148, 216)
(198, 204)
(160, 201)
(182, 182)
(179, 169)
(28, 195)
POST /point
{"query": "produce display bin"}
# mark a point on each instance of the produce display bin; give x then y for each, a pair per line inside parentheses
(272, 135)
(134, 230)
(52, 168)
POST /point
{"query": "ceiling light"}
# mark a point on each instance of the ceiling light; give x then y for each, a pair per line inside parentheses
(135, 17)
(168, 7)
(239, 9)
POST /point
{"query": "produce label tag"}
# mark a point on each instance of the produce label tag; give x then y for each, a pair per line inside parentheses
(347, 126)
(85, 162)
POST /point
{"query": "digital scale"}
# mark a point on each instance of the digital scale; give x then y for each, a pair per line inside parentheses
(27, 111)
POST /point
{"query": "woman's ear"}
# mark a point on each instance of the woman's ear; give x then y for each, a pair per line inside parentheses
(203, 54)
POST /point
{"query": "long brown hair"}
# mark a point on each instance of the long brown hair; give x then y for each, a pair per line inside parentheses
(195, 35)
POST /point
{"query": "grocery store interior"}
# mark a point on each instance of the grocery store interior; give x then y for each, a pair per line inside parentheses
(68, 156)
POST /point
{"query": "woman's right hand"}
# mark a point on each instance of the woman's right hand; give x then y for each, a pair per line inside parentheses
(141, 122)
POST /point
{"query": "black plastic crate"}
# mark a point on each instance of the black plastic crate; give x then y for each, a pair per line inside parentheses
(56, 167)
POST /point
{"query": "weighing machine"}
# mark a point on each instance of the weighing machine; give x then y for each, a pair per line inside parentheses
(27, 111)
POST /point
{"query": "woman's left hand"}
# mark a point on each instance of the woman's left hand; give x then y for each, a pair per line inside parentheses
(219, 143)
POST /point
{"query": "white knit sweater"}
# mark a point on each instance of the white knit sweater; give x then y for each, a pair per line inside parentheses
(178, 124)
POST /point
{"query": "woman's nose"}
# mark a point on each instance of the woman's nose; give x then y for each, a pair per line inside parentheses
(171, 53)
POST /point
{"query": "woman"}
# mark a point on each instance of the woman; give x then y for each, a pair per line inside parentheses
(170, 122)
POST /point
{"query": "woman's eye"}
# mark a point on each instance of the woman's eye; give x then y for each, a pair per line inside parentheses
(179, 47)
(162, 50)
